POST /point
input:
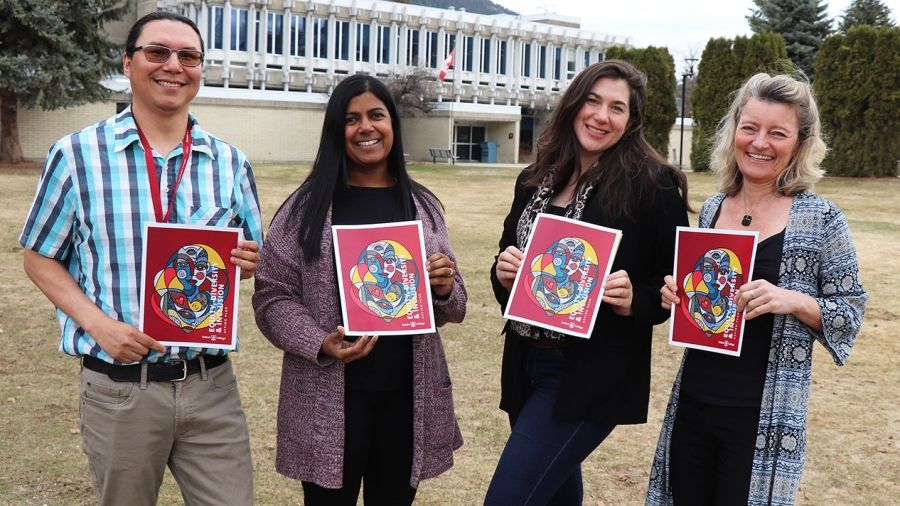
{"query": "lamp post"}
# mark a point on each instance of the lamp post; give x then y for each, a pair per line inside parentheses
(689, 72)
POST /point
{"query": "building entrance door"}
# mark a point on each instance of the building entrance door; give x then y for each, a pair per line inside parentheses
(467, 141)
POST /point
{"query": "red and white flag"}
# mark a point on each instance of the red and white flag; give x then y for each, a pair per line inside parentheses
(446, 66)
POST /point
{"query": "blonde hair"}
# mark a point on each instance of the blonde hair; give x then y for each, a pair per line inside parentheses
(804, 170)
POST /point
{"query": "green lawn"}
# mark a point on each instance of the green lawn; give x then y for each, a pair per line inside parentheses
(853, 456)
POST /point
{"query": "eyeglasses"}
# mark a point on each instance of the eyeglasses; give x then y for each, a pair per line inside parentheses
(161, 54)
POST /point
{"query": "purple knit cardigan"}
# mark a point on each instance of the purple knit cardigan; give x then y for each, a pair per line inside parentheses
(297, 305)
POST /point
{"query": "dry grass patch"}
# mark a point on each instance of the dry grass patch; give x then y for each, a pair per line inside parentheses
(853, 456)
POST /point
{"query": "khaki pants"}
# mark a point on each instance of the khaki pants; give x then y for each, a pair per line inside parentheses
(132, 431)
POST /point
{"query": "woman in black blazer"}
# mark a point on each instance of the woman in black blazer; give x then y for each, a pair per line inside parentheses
(563, 394)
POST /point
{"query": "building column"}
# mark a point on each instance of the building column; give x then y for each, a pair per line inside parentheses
(373, 43)
(310, 40)
(563, 65)
(476, 64)
(331, 45)
(548, 66)
(226, 43)
(351, 51)
(423, 44)
(286, 44)
(394, 48)
(403, 50)
(262, 65)
(251, 44)
(511, 69)
(442, 54)
(460, 63)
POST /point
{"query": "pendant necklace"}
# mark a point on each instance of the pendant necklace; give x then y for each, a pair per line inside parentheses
(748, 208)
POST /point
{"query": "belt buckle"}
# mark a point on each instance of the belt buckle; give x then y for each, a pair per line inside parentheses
(184, 365)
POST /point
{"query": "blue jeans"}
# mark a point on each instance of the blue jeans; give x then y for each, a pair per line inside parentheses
(541, 463)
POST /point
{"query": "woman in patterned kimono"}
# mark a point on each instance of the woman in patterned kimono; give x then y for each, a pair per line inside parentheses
(735, 428)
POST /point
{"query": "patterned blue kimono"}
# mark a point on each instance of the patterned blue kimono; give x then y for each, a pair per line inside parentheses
(819, 259)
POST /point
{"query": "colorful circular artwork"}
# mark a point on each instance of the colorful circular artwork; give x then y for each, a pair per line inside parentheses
(385, 278)
(191, 290)
(709, 290)
(563, 276)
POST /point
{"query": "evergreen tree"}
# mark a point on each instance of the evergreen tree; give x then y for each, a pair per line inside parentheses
(802, 23)
(857, 83)
(724, 66)
(764, 52)
(52, 54)
(658, 65)
(717, 76)
(866, 12)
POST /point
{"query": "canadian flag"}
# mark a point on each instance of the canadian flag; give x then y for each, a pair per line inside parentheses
(446, 66)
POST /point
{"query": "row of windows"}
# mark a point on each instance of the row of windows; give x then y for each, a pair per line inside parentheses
(273, 41)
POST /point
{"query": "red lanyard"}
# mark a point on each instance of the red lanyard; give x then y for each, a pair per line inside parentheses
(154, 181)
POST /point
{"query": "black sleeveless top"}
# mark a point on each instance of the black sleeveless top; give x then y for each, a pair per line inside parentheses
(389, 365)
(726, 380)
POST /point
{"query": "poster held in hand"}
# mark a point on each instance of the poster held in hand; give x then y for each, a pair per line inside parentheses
(710, 266)
(189, 286)
(382, 278)
(559, 285)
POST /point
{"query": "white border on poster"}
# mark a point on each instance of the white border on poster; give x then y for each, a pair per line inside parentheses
(541, 217)
(348, 330)
(679, 275)
(234, 293)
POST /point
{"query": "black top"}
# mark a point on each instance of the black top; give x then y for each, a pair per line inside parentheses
(607, 377)
(726, 380)
(389, 365)
(556, 210)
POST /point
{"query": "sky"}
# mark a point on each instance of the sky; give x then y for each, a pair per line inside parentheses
(683, 26)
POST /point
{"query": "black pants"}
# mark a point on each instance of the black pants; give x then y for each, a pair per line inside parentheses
(378, 451)
(711, 453)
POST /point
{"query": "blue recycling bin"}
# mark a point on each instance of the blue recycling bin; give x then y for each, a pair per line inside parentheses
(489, 152)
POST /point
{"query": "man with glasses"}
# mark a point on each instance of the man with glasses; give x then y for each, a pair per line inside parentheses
(145, 406)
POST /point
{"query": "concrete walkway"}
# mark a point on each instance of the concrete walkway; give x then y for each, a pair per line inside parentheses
(493, 165)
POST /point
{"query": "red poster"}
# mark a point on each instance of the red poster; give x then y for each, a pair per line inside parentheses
(559, 285)
(710, 266)
(189, 292)
(382, 279)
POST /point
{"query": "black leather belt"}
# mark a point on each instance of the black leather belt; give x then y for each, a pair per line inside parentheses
(176, 370)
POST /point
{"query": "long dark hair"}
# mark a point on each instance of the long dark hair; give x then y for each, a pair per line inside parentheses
(631, 165)
(314, 196)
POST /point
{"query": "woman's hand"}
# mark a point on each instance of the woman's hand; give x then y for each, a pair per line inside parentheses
(246, 256)
(759, 297)
(508, 265)
(669, 293)
(618, 293)
(335, 346)
(441, 274)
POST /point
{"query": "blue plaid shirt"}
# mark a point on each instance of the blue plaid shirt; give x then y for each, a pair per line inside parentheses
(93, 199)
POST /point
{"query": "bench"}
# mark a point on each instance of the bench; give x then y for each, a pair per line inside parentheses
(442, 153)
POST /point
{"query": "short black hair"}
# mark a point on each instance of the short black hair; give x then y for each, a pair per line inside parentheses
(138, 27)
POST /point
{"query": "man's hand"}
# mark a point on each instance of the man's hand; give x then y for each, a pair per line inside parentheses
(122, 341)
(246, 256)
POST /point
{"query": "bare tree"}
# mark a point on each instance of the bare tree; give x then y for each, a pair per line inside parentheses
(409, 90)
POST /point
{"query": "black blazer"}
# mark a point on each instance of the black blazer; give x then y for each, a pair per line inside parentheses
(607, 377)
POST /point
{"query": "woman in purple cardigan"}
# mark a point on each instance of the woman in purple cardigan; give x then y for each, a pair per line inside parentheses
(378, 410)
